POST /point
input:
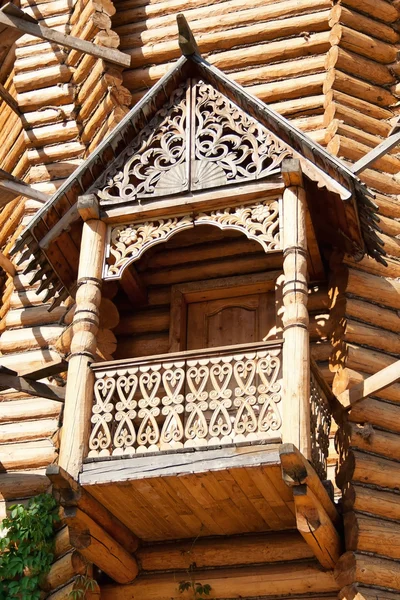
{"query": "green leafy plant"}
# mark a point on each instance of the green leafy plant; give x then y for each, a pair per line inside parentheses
(26, 548)
(83, 584)
(199, 589)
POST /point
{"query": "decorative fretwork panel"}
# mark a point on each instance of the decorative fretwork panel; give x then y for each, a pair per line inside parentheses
(199, 139)
(320, 424)
(192, 399)
(127, 242)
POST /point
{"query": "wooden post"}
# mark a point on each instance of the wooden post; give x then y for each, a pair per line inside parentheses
(79, 392)
(296, 346)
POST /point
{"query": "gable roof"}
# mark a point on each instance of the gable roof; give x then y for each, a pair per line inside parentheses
(317, 164)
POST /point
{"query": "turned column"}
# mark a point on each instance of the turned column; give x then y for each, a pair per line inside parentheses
(296, 346)
(80, 381)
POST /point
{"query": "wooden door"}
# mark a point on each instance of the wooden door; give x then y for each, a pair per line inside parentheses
(229, 321)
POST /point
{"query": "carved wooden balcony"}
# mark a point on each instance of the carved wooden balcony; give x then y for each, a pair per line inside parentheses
(163, 426)
(188, 400)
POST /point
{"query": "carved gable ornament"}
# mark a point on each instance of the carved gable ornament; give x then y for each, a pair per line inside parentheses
(199, 139)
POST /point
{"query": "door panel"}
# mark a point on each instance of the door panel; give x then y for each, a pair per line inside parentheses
(229, 321)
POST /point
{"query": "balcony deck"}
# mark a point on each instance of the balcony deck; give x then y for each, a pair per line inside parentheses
(187, 444)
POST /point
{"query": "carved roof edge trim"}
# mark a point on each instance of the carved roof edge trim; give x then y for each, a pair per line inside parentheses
(329, 169)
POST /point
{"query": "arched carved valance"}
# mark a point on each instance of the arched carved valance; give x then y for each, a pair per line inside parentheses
(129, 241)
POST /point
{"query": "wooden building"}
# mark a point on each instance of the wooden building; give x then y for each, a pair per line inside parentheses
(199, 324)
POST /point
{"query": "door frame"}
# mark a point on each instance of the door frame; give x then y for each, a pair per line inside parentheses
(183, 294)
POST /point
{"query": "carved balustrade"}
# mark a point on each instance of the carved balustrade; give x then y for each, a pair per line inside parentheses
(187, 399)
(200, 398)
(320, 421)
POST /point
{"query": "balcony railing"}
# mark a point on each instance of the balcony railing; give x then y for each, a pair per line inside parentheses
(200, 398)
(187, 399)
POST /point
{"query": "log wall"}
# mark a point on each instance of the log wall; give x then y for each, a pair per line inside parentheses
(333, 71)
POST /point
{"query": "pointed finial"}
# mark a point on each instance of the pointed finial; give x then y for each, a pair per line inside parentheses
(187, 43)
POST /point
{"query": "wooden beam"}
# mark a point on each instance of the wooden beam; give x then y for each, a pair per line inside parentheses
(371, 385)
(30, 386)
(368, 570)
(383, 148)
(98, 547)
(224, 551)
(56, 366)
(296, 470)
(316, 527)
(11, 16)
(247, 582)
(70, 217)
(88, 207)
(19, 187)
(6, 96)
(71, 493)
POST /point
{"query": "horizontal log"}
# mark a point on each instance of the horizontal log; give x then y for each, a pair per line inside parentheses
(378, 9)
(51, 96)
(18, 340)
(18, 485)
(63, 570)
(375, 502)
(381, 182)
(51, 134)
(358, 104)
(99, 548)
(355, 20)
(382, 290)
(346, 147)
(372, 314)
(29, 361)
(222, 40)
(142, 345)
(363, 44)
(260, 54)
(261, 12)
(335, 112)
(38, 315)
(367, 570)
(262, 548)
(28, 430)
(56, 152)
(218, 268)
(356, 65)
(365, 468)
(369, 439)
(246, 581)
(41, 78)
(365, 335)
(29, 408)
(342, 82)
(380, 414)
(366, 534)
(27, 455)
(367, 360)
